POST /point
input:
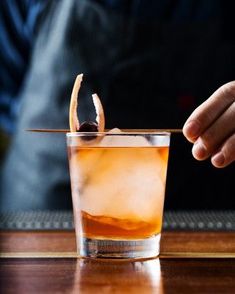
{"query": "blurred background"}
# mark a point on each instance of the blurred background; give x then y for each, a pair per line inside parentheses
(151, 62)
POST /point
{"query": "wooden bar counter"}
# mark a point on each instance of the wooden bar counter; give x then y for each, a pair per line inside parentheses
(46, 262)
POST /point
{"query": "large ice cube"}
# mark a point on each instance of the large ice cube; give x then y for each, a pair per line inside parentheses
(125, 183)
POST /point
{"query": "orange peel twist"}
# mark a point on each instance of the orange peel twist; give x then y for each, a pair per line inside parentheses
(74, 122)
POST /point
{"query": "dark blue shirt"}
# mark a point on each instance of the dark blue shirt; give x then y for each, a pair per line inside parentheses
(17, 25)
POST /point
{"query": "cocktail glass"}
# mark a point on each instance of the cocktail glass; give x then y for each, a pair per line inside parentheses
(118, 184)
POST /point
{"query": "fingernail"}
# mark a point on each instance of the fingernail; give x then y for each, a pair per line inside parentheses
(199, 151)
(218, 159)
(192, 129)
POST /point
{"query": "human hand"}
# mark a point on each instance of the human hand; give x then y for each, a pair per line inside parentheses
(211, 127)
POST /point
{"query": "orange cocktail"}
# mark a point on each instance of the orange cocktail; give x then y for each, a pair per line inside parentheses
(118, 185)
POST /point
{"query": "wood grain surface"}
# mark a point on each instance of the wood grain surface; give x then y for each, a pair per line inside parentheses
(171, 242)
(74, 275)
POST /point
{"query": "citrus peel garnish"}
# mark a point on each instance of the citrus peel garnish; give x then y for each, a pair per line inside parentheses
(74, 123)
(73, 117)
(99, 112)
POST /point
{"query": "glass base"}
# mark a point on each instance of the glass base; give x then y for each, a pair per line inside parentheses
(120, 249)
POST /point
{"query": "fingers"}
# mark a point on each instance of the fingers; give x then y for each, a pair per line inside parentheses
(209, 111)
(215, 135)
(211, 127)
(226, 154)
